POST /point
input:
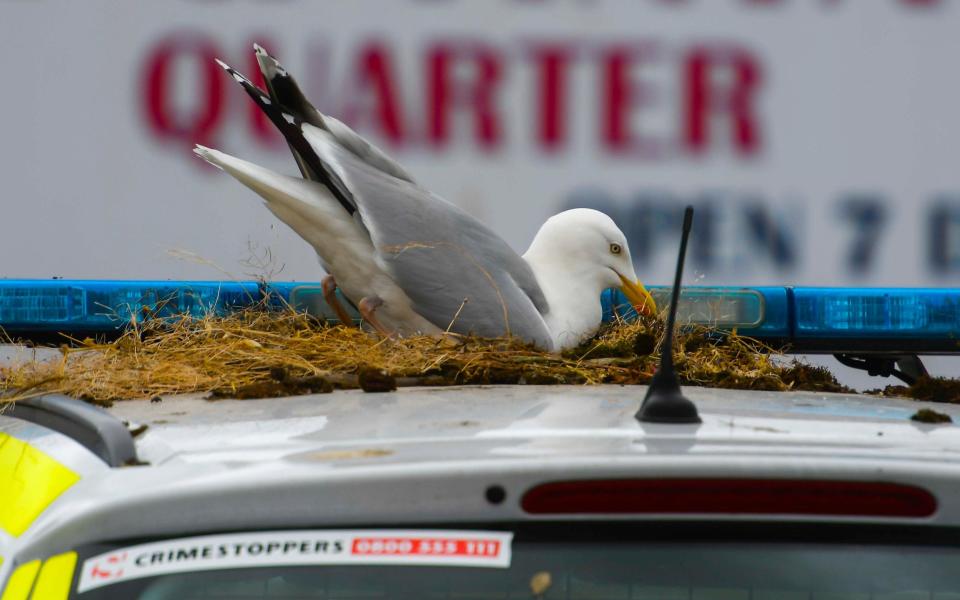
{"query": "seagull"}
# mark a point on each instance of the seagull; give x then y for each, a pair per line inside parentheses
(412, 262)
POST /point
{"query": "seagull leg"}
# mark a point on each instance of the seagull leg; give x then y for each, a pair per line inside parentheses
(329, 286)
(368, 305)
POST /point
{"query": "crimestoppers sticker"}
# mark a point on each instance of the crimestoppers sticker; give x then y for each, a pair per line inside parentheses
(296, 548)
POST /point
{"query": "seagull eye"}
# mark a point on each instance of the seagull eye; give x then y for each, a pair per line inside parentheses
(615, 249)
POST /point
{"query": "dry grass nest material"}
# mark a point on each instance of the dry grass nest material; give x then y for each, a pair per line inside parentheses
(261, 353)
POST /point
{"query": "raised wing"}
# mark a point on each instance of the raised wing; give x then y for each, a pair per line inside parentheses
(284, 91)
(290, 127)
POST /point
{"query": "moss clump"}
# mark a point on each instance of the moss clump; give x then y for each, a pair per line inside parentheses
(802, 376)
(376, 380)
(929, 389)
(935, 389)
(890, 391)
(926, 415)
(289, 386)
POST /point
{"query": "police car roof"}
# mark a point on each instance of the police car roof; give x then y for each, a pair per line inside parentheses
(420, 456)
(409, 425)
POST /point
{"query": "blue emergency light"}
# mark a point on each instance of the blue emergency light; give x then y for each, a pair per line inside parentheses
(803, 319)
(78, 308)
(820, 320)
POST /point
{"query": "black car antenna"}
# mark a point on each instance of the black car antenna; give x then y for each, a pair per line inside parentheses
(665, 402)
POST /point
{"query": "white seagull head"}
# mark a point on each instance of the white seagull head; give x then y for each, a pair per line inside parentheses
(576, 255)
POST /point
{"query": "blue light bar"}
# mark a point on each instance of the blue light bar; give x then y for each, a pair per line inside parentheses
(91, 307)
(868, 312)
(821, 320)
(804, 319)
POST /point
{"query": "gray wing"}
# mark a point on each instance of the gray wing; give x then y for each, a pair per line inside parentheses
(363, 149)
(457, 272)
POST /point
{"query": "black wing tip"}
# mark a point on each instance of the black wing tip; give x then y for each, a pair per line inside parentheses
(255, 92)
(240, 77)
(260, 96)
(227, 68)
(269, 66)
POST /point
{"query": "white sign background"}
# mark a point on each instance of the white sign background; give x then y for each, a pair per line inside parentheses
(852, 178)
(854, 98)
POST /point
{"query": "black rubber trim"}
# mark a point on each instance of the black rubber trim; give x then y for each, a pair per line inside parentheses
(96, 429)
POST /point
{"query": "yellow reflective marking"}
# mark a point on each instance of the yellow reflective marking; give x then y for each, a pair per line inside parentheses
(55, 578)
(29, 481)
(20, 582)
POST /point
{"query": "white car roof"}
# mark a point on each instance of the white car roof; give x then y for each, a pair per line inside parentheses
(408, 425)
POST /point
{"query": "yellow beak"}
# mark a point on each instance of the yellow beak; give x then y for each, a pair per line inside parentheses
(638, 296)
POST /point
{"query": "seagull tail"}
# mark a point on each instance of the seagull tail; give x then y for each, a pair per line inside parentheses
(307, 207)
(290, 127)
(245, 172)
(276, 189)
(210, 155)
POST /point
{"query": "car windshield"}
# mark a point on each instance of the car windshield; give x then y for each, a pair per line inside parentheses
(604, 569)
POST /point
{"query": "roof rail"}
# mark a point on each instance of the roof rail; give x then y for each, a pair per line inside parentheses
(96, 429)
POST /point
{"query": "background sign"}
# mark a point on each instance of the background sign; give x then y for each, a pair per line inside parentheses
(817, 138)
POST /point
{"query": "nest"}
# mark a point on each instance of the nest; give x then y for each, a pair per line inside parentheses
(267, 353)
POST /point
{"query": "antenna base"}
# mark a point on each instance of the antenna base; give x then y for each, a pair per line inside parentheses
(665, 403)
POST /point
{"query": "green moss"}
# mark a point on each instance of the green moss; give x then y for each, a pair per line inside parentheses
(926, 415)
